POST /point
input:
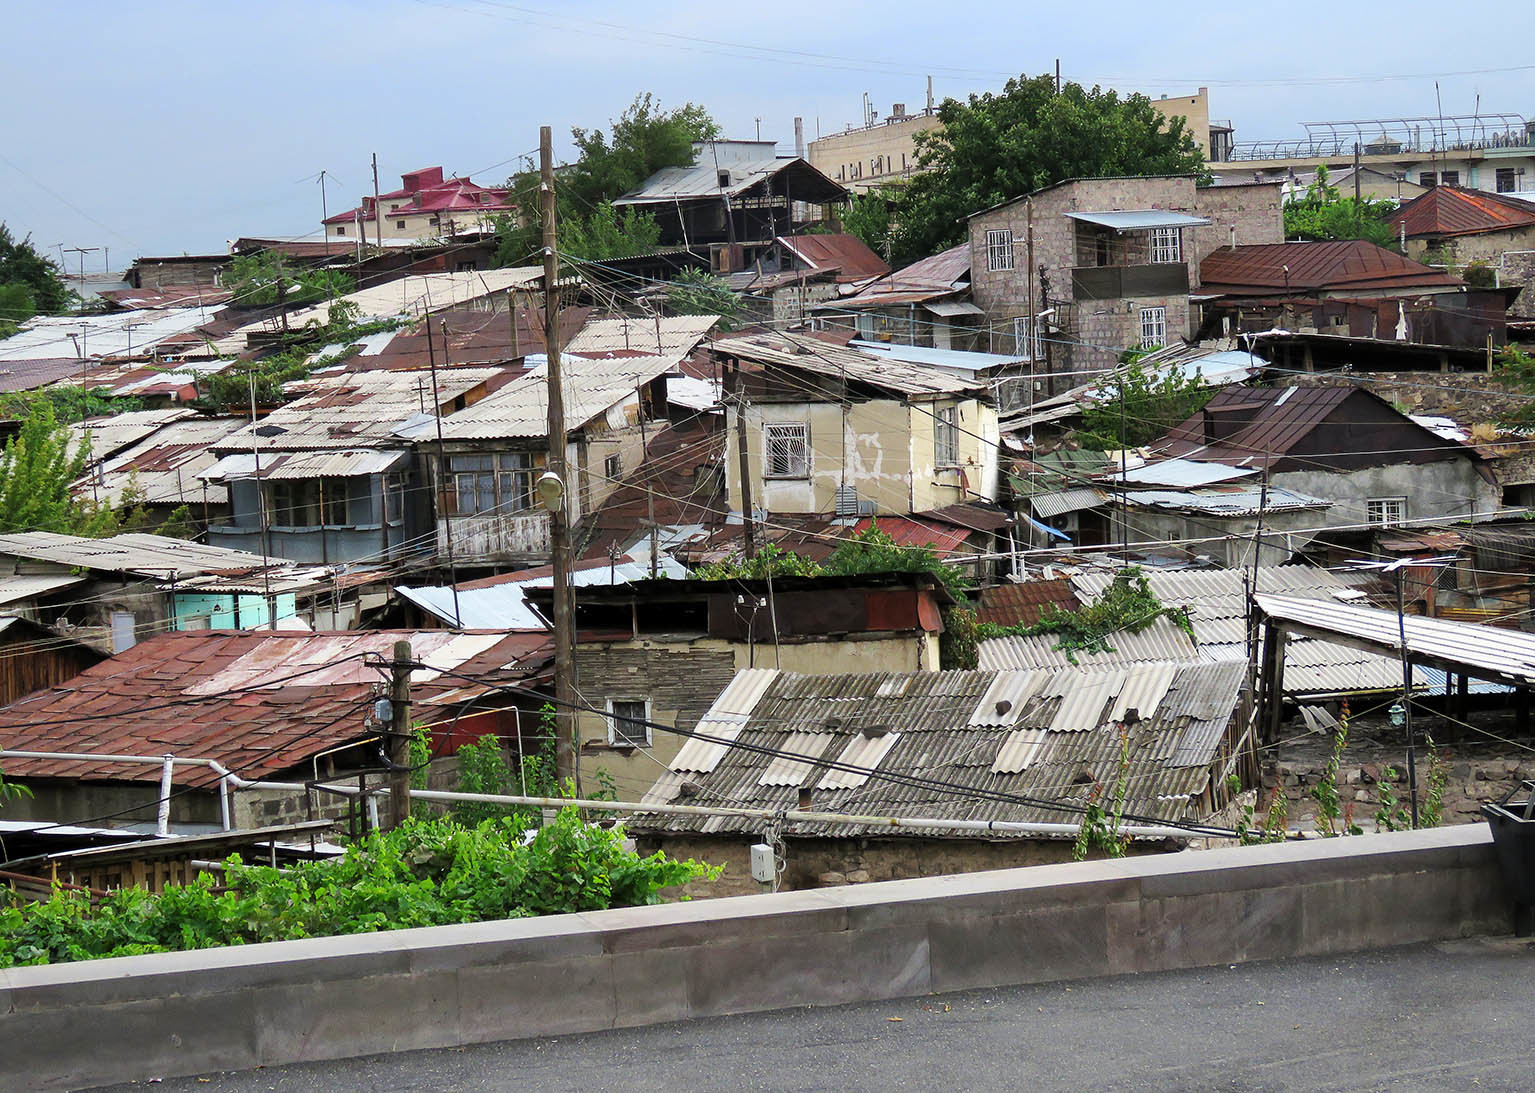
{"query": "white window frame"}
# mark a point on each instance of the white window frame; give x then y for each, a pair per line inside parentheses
(1027, 342)
(1378, 511)
(1153, 327)
(946, 436)
(999, 249)
(628, 738)
(1166, 245)
(786, 432)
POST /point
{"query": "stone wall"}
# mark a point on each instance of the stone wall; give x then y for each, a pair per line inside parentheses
(1510, 253)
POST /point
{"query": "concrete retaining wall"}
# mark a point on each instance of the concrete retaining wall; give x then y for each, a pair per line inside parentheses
(181, 1013)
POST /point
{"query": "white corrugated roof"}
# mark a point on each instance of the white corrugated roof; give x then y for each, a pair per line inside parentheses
(1163, 640)
(349, 463)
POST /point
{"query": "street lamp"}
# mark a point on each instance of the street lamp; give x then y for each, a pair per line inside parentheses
(551, 490)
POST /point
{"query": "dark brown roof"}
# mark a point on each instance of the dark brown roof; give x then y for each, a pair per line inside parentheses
(922, 280)
(164, 296)
(849, 255)
(1291, 428)
(1026, 603)
(1308, 268)
(676, 481)
(473, 337)
(1450, 210)
(257, 702)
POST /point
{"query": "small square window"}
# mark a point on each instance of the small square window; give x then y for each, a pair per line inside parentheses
(999, 249)
(629, 722)
(1153, 327)
(1386, 512)
(612, 467)
(1425, 178)
(340, 229)
(788, 450)
(1507, 180)
(1449, 178)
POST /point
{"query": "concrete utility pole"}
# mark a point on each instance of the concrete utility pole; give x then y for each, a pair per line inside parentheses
(378, 212)
(565, 751)
(744, 459)
(399, 735)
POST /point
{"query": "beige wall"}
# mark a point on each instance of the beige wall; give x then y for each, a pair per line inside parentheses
(884, 449)
(682, 679)
(863, 158)
(418, 225)
(1195, 110)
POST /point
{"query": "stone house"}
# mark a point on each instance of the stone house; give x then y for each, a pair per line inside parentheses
(663, 650)
(1114, 262)
(926, 304)
(1457, 228)
(1013, 746)
(832, 429)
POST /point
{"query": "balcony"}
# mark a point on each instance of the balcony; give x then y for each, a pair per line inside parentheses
(1118, 282)
(493, 536)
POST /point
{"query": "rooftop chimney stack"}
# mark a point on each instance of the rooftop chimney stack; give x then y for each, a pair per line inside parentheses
(799, 138)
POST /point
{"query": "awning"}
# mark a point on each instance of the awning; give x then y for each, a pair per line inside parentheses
(951, 308)
(1046, 505)
(354, 463)
(1131, 220)
(1046, 528)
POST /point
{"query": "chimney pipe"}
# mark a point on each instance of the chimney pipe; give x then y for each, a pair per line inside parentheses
(799, 138)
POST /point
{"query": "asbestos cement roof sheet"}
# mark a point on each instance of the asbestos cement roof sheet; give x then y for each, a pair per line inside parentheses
(279, 466)
(1227, 501)
(919, 752)
(828, 359)
(1183, 474)
(1162, 640)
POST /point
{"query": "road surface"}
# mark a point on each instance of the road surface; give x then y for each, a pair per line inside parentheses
(1453, 1015)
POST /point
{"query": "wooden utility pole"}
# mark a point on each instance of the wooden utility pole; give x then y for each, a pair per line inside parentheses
(399, 735)
(744, 460)
(565, 751)
(1032, 333)
(378, 212)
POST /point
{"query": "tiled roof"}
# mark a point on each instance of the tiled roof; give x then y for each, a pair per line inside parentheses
(1308, 268)
(1024, 603)
(259, 703)
(1450, 210)
(1051, 736)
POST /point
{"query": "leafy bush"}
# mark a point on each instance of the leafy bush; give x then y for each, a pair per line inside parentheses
(424, 873)
(1127, 604)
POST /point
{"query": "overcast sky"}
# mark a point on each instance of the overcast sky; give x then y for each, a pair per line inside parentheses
(170, 126)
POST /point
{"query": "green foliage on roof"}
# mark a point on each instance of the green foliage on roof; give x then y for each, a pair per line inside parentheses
(1128, 605)
(424, 873)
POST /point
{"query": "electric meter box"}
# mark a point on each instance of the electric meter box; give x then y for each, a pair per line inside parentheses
(764, 867)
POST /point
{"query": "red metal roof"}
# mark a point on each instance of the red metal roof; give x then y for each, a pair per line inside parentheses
(1450, 210)
(1352, 265)
(1026, 603)
(259, 703)
(943, 537)
(847, 254)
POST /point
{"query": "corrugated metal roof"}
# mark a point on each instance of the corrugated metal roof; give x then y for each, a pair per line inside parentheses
(702, 180)
(1288, 268)
(927, 718)
(829, 359)
(1227, 500)
(1046, 505)
(350, 463)
(112, 334)
(1162, 640)
(1139, 219)
(139, 553)
(18, 588)
(849, 255)
(1491, 651)
(1025, 602)
(1184, 473)
(1450, 210)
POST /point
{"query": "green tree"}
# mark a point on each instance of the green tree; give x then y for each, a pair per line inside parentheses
(638, 143)
(995, 147)
(262, 278)
(16, 307)
(1154, 401)
(695, 292)
(20, 263)
(1324, 214)
(868, 216)
(36, 470)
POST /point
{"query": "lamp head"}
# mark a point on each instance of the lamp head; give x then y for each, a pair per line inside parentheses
(551, 490)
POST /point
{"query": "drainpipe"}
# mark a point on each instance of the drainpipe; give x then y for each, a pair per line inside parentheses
(163, 819)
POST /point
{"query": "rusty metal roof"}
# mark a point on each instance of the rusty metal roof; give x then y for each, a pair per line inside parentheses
(1450, 210)
(259, 703)
(825, 358)
(946, 727)
(849, 255)
(1304, 268)
(1025, 602)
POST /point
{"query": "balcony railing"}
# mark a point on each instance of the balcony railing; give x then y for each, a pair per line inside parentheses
(1116, 282)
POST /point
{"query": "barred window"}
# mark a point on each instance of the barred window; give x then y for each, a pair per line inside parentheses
(1166, 245)
(999, 249)
(1153, 327)
(1026, 340)
(788, 450)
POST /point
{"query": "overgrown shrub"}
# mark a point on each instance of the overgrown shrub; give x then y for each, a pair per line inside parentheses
(424, 873)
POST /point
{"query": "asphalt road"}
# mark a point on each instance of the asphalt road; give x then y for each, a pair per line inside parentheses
(1453, 1015)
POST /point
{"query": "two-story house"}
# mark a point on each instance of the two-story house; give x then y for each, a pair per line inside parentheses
(1114, 261)
(426, 206)
(833, 429)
